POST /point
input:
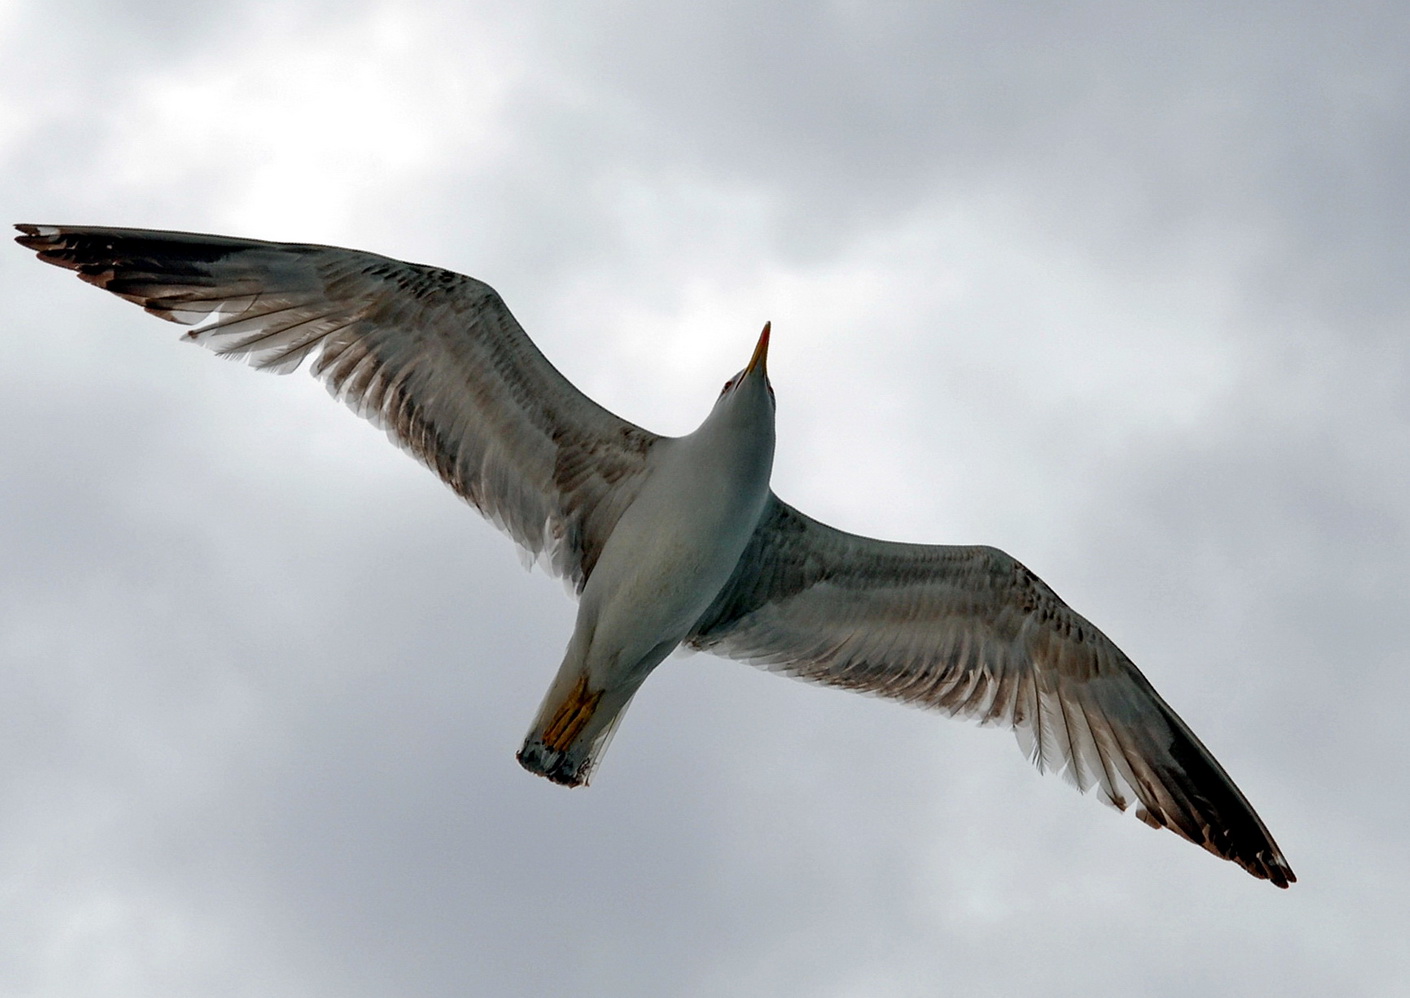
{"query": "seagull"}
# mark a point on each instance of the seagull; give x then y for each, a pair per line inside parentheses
(676, 541)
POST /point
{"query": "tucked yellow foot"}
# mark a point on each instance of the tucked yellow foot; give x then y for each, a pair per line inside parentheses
(550, 752)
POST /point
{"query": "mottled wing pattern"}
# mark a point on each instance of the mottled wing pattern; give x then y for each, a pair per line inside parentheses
(433, 357)
(970, 631)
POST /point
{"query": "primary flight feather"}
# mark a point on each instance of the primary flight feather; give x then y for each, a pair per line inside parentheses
(676, 540)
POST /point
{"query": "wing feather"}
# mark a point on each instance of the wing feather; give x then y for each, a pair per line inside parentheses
(433, 357)
(972, 632)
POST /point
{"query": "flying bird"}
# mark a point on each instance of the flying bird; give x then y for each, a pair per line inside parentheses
(672, 541)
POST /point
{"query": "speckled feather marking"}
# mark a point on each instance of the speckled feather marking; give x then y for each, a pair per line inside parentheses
(972, 632)
(433, 357)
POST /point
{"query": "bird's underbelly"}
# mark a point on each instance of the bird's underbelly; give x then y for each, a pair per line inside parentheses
(658, 573)
(667, 583)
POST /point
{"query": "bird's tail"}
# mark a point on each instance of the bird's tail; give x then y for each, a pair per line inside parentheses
(572, 731)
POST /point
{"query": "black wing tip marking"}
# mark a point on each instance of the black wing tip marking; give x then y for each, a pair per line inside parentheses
(49, 242)
(1271, 868)
(70, 240)
(121, 261)
(1265, 863)
(1249, 848)
(1225, 822)
(178, 277)
(143, 256)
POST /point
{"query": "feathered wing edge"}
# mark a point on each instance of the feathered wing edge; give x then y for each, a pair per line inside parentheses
(433, 357)
(970, 631)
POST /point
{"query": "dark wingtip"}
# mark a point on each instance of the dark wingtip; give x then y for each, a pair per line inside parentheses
(1270, 865)
(32, 238)
(46, 240)
(1273, 869)
(1281, 875)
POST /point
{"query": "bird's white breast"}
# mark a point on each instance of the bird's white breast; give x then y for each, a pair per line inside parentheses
(678, 542)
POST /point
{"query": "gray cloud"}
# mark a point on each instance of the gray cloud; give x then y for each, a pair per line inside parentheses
(1120, 291)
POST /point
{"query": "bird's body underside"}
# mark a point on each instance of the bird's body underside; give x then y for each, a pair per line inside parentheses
(676, 541)
(672, 551)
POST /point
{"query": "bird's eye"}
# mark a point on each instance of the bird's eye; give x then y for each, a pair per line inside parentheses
(728, 385)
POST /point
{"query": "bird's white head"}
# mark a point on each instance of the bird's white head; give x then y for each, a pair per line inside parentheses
(753, 381)
(745, 409)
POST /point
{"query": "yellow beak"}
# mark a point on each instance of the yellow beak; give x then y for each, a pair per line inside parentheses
(761, 353)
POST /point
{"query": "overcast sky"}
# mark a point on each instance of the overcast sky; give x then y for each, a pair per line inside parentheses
(1122, 289)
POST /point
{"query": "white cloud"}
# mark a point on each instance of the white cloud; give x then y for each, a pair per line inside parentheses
(292, 122)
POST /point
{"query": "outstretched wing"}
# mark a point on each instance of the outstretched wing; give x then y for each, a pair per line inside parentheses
(433, 357)
(970, 631)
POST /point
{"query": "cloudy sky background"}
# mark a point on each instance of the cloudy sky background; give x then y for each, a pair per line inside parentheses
(1121, 289)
